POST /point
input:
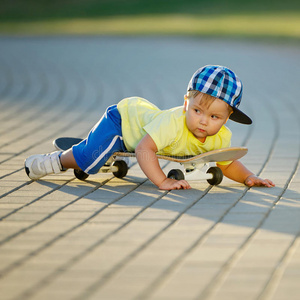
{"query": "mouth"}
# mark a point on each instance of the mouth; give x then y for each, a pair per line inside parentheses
(201, 130)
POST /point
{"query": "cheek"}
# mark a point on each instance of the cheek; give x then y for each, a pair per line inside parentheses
(216, 126)
(190, 121)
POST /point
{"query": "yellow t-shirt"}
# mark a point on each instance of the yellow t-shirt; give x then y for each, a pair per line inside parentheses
(167, 128)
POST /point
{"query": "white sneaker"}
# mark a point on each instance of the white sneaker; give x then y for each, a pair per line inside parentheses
(38, 166)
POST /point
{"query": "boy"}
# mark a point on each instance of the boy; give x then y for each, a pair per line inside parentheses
(213, 96)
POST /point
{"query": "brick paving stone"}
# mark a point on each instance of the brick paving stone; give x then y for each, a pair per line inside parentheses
(109, 238)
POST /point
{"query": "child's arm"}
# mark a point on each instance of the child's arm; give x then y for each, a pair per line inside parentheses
(146, 157)
(238, 172)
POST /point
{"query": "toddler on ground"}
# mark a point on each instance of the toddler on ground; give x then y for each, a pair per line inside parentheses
(134, 124)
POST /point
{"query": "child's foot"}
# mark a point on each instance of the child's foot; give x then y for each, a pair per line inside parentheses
(38, 166)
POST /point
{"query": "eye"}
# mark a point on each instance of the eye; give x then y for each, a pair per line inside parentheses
(197, 111)
(214, 117)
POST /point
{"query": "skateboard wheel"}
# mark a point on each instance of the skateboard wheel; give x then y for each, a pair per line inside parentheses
(79, 174)
(122, 168)
(176, 174)
(217, 175)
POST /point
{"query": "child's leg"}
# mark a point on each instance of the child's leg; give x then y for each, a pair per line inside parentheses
(68, 161)
(89, 155)
(102, 141)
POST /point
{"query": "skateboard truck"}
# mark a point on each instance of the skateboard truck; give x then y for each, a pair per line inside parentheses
(192, 171)
(119, 168)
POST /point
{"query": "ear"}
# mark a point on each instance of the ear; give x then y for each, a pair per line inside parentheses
(228, 118)
(186, 102)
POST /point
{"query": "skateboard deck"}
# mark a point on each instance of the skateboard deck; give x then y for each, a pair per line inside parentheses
(192, 164)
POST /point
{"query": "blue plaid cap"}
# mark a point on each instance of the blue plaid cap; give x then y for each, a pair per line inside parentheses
(222, 83)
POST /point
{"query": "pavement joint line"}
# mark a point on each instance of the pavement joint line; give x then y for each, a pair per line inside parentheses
(62, 113)
(44, 88)
(40, 127)
(7, 153)
(159, 281)
(12, 191)
(35, 100)
(221, 275)
(26, 85)
(11, 173)
(274, 139)
(42, 91)
(278, 271)
(51, 214)
(247, 136)
(69, 263)
(206, 293)
(33, 201)
(40, 197)
(78, 257)
(54, 134)
(20, 261)
(15, 112)
(66, 109)
(46, 139)
(250, 131)
(89, 291)
(7, 74)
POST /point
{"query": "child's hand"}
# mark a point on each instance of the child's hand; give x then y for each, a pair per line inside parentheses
(253, 180)
(173, 184)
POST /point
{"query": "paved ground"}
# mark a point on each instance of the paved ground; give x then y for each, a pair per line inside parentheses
(108, 238)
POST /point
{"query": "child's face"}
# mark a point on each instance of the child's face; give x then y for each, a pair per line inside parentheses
(205, 120)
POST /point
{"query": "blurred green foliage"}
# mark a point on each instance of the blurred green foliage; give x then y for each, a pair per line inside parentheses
(30, 10)
(252, 18)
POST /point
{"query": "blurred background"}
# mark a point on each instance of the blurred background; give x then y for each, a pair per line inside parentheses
(256, 18)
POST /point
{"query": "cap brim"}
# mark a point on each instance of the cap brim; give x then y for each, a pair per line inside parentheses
(240, 117)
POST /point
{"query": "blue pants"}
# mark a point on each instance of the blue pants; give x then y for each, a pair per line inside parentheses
(102, 141)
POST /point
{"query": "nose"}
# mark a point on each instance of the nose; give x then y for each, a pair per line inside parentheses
(203, 119)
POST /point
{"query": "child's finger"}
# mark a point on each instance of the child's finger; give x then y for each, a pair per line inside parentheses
(263, 182)
(173, 184)
(184, 184)
(256, 181)
(268, 183)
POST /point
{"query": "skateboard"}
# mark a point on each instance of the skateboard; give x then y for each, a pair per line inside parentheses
(193, 165)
